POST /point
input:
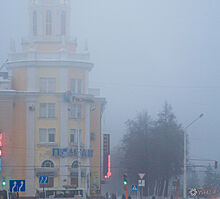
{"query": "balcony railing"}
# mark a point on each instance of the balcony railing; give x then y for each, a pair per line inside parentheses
(50, 171)
(61, 55)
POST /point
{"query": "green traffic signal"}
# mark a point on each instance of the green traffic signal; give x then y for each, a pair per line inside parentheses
(125, 182)
(3, 183)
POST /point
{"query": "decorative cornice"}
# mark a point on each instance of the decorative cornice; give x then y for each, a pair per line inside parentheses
(50, 64)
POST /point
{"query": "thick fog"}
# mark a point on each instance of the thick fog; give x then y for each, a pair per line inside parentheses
(145, 52)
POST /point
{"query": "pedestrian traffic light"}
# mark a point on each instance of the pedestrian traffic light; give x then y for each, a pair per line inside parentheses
(216, 164)
(125, 181)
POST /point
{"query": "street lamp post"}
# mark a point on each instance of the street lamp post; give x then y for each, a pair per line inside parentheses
(185, 155)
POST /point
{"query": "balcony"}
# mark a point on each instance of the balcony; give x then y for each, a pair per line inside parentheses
(43, 171)
(61, 55)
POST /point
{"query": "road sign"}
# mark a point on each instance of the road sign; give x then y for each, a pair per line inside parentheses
(141, 183)
(43, 179)
(17, 185)
(134, 187)
(141, 175)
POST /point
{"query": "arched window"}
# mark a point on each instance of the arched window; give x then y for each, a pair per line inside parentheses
(47, 163)
(48, 22)
(75, 164)
(63, 23)
(35, 23)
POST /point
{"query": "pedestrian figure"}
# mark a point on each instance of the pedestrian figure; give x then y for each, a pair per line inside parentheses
(129, 197)
(123, 196)
(106, 195)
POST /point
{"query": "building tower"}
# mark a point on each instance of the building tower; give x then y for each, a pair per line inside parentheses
(50, 118)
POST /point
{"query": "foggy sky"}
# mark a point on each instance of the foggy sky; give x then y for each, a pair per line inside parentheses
(145, 53)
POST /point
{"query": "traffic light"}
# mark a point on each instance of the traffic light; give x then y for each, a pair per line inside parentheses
(4, 182)
(125, 181)
(216, 164)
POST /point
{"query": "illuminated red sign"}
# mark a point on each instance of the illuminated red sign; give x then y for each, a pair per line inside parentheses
(1, 143)
(109, 168)
(1, 138)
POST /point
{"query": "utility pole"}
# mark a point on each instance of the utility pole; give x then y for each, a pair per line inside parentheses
(177, 189)
(184, 161)
(126, 191)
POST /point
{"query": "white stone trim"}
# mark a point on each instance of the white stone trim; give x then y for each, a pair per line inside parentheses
(51, 64)
(31, 79)
(63, 142)
(63, 79)
(87, 122)
(86, 82)
(30, 147)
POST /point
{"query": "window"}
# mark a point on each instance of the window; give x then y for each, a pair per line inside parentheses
(42, 135)
(74, 181)
(51, 110)
(74, 136)
(47, 135)
(47, 110)
(76, 111)
(48, 23)
(51, 135)
(63, 23)
(51, 84)
(43, 84)
(47, 84)
(43, 110)
(47, 163)
(76, 86)
(75, 164)
(92, 136)
(35, 23)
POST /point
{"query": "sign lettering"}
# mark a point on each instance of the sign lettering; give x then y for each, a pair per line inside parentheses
(72, 152)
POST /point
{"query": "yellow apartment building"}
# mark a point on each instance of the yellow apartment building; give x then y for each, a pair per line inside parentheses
(50, 118)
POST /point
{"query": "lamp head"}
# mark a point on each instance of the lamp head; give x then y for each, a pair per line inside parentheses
(201, 115)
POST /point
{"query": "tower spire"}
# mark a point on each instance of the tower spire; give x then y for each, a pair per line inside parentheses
(49, 19)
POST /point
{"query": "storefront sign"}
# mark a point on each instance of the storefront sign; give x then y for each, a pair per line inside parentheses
(72, 152)
(71, 98)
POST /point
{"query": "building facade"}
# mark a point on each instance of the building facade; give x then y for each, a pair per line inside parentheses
(50, 118)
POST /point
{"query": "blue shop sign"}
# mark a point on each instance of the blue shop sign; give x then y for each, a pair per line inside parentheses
(71, 98)
(72, 152)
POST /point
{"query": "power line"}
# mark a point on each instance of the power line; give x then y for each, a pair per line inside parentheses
(113, 84)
